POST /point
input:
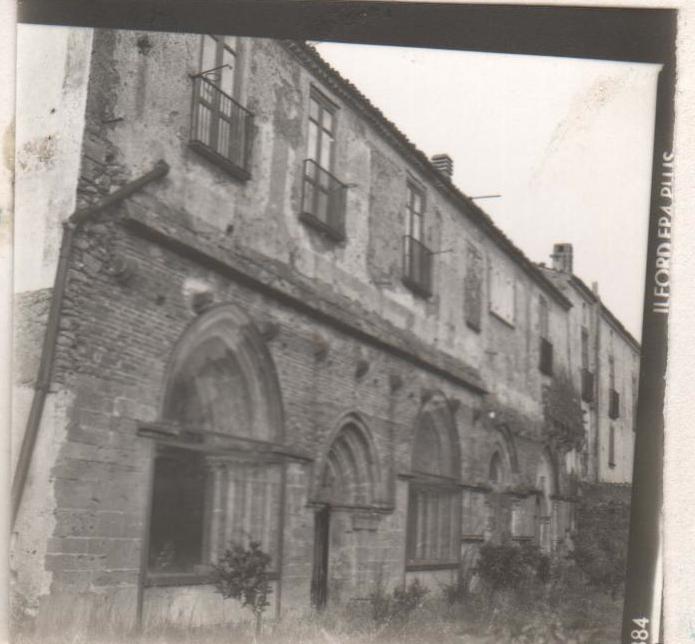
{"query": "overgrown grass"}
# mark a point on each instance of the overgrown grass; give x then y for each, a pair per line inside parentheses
(562, 609)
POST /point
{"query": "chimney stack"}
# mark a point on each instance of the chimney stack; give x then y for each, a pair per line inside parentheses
(562, 257)
(444, 163)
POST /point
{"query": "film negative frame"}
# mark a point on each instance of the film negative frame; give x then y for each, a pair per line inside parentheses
(615, 34)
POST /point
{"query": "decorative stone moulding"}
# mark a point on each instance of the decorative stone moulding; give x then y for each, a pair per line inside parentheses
(268, 330)
(395, 382)
(361, 368)
(122, 269)
(202, 301)
(454, 404)
(366, 521)
(426, 396)
(320, 347)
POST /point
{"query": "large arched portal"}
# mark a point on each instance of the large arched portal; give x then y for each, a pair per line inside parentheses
(348, 493)
(215, 480)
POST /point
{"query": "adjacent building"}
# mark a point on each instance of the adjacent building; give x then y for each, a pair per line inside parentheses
(275, 319)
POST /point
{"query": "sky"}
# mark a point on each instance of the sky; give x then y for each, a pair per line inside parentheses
(567, 143)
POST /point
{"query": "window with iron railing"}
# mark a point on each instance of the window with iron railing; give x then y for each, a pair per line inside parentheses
(323, 194)
(613, 404)
(323, 201)
(221, 128)
(587, 386)
(417, 266)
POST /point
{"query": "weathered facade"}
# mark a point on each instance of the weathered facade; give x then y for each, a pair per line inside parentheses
(297, 331)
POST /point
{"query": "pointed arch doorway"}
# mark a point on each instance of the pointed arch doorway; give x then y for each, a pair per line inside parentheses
(347, 491)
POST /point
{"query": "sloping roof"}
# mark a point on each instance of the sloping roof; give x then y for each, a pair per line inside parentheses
(342, 87)
(589, 294)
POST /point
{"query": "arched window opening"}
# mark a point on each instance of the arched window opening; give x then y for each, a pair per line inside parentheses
(213, 483)
(496, 473)
(434, 502)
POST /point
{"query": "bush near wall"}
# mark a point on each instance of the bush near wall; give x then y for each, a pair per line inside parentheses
(600, 541)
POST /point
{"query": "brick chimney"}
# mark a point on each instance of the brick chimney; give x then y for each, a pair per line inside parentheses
(444, 163)
(562, 257)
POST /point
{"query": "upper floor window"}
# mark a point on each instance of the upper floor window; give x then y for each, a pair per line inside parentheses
(321, 130)
(613, 395)
(417, 258)
(611, 446)
(587, 376)
(221, 127)
(546, 346)
(323, 194)
(473, 287)
(585, 348)
(414, 211)
(218, 61)
(502, 293)
(543, 322)
(635, 389)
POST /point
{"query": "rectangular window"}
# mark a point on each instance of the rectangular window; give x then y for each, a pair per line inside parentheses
(323, 195)
(434, 515)
(502, 294)
(611, 446)
(321, 131)
(414, 211)
(202, 503)
(178, 502)
(545, 363)
(585, 348)
(634, 402)
(417, 258)
(613, 395)
(473, 287)
(221, 126)
(543, 323)
(587, 376)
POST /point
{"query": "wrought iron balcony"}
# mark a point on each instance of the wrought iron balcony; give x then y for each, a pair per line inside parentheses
(323, 201)
(417, 266)
(587, 386)
(545, 363)
(613, 404)
(221, 128)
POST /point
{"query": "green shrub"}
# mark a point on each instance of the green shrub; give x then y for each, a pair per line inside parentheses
(509, 566)
(600, 543)
(242, 574)
(397, 606)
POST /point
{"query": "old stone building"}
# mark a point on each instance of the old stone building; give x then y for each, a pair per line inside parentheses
(272, 317)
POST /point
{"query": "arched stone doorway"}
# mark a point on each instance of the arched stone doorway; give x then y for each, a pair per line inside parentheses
(348, 490)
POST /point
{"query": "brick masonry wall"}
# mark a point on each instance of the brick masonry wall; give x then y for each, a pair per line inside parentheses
(117, 335)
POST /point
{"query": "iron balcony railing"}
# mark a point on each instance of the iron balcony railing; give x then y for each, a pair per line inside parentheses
(323, 201)
(417, 266)
(545, 364)
(221, 128)
(587, 386)
(613, 404)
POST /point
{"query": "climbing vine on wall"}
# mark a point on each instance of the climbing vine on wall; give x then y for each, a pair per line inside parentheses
(564, 424)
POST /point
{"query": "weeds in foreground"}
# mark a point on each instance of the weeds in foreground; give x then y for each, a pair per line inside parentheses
(559, 609)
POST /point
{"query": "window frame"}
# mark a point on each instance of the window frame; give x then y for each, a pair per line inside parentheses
(213, 104)
(325, 104)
